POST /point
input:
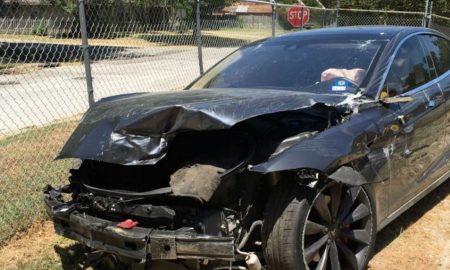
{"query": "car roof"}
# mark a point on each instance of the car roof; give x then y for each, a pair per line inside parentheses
(355, 32)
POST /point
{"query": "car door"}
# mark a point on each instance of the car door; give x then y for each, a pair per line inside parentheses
(439, 48)
(421, 121)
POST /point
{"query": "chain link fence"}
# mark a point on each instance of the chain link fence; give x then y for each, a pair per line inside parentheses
(47, 68)
(349, 17)
(440, 23)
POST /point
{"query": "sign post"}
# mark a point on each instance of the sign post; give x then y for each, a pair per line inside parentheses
(298, 16)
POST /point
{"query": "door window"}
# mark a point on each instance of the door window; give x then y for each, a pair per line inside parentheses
(439, 51)
(409, 69)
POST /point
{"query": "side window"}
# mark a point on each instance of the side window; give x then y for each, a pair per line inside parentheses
(440, 52)
(409, 69)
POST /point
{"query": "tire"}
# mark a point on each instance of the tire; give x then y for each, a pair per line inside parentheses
(291, 233)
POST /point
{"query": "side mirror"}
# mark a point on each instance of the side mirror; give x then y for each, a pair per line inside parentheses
(398, 99)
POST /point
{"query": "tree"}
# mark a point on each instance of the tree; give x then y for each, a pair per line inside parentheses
(70, 6)
(439, 6)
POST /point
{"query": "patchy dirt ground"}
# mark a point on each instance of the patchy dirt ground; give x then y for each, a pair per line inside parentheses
(40, 248)
(418, 239)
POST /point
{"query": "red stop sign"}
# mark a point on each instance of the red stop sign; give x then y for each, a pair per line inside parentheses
(295, 16)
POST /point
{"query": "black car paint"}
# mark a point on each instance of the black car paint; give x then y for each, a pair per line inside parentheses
(374, 145)
(419, 144)
(136, 130)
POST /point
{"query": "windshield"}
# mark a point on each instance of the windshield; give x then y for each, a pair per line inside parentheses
(303, 65)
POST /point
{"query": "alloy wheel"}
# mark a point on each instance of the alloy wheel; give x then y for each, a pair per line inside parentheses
(339, 229)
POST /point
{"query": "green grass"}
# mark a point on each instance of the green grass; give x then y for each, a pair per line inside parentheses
(46, 262)
(5, 65)
(26, 166)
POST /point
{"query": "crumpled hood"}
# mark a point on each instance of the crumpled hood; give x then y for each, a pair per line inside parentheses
(136, 129)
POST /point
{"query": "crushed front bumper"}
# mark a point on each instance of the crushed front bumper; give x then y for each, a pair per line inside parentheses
(137, 243)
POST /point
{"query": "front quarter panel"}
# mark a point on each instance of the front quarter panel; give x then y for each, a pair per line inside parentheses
(333, 147)
(357, 152)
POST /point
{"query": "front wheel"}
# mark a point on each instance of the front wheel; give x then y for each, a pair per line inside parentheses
(330, 228)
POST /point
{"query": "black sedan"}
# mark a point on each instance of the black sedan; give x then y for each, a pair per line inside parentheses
(291, 153)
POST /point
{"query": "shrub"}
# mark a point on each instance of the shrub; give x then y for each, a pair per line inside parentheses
(40, 30)
(282, 15)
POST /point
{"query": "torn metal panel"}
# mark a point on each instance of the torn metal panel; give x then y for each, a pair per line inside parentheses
(136, 129)
(349, 176)
(329, 149)
(138, 243)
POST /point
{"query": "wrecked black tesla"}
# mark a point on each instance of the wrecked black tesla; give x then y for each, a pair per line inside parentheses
(291, 153)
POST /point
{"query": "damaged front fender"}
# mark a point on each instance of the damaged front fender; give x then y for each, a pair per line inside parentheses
(329, 149)
(348, 176)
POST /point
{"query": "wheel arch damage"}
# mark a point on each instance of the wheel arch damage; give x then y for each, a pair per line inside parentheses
(342, 153)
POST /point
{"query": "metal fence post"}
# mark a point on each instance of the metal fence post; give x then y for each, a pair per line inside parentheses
(338, 6)
(86, 55)
(274, 16)
(430, 15)
(199, 37)
(324, 16)
(301, 25)
(425, 14)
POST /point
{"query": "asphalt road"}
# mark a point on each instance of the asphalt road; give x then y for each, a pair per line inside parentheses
(41, 96)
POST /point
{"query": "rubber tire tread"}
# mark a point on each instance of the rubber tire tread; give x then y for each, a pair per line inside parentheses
(284, 219)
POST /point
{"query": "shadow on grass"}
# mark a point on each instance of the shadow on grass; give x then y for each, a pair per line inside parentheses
(29, 52)
(52, 54)
(72, 258)
(189, 39)
(413, 214)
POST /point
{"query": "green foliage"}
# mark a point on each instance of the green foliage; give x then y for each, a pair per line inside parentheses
(69, 6)
(40, 30)
(282, 18)
(241, 22)
(289, 2)
(310, 3)
(439, 6)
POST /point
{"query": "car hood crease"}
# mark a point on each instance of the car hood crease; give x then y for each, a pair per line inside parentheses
(136, 129)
